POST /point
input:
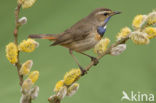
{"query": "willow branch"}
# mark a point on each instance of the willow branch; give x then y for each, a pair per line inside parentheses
(17, 25)
(123, 40)
(55, 99)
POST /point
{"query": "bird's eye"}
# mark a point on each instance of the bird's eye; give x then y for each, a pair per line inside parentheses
(105, 14)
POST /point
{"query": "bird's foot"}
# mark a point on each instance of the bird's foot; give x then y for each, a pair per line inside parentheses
(95, 60)
(83, 71)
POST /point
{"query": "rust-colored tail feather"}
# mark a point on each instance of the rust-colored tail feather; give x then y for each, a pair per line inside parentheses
(43, 36)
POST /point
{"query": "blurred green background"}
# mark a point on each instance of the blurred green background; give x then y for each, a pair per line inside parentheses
(134, 70)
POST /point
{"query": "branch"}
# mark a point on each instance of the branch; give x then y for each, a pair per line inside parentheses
(122, 41)
(24, 98)
(17, 11)
(17, 25)
(56, 98)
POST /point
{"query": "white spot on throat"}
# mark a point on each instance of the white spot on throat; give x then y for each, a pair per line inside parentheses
(105, 27)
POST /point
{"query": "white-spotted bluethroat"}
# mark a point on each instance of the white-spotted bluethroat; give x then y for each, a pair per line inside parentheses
(83, 35)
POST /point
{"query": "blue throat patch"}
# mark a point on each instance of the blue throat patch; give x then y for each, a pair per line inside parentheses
(107, 19)
(101, 30)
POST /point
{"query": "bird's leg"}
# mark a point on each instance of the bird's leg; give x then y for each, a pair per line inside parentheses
(75, 59)
(94, 59)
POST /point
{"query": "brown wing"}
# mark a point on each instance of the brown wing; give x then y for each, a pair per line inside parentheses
(75, 33)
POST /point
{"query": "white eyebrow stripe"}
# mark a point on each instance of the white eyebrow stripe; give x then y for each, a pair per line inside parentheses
(101, 12)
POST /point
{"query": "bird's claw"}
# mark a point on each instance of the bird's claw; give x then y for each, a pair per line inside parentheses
(83, 71)
(95, 60)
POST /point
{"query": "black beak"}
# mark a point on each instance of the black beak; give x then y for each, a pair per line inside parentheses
(107, 19)
(116, 12)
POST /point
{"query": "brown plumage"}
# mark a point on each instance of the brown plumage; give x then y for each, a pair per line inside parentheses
(83, 35)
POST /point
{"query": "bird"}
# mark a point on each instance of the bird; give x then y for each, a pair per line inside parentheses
(83, 35)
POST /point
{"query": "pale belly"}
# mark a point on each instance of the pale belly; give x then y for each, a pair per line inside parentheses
(85, 44)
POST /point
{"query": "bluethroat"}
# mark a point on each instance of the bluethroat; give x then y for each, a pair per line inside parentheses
(83, 35)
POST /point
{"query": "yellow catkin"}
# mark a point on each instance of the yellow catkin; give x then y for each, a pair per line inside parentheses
(26, 3)
(26, 67)
(151, 32)
(118, 49)
(12, 52)
(72, 89)
(101, 47)
(58, 85)
(34, 76)
(138, 21)
(27, 84)
(71, 76)
(151, 18)
(123, 33)
(62, 92)
(28, 45)
(139, 38)
(20, 1)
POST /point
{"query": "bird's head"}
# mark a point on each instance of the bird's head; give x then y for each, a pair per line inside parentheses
(102, 15)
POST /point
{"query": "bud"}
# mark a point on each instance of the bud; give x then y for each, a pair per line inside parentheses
(22, 21)
(151, 32)
(26, 86)
(151, 18)
(139, 21)
(23, 98)
(72, 89)
(26, 67)
(139, 38)
(118, 49)
(20, 1)
(62, 93)
(34, 92)
(101, 47)
(124, 32)
(58, 85)
(34, 76)
(54, 99)
(72, 76)
(28, 45)
(26, 3)
(12, 53)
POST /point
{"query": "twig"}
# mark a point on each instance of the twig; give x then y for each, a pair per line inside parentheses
(54, 99)
(17, 10)
(18, 65)
(107, 51)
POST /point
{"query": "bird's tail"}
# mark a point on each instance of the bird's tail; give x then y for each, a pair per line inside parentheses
(43, 36)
